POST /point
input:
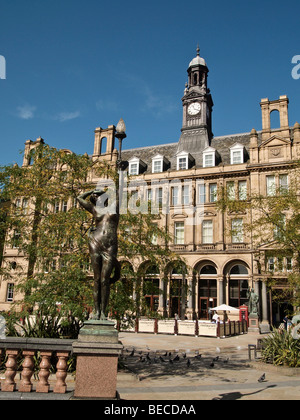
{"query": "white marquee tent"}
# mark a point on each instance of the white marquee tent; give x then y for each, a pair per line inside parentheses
(225, 308)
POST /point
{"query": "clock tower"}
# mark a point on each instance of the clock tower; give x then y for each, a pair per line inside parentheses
(197, 105)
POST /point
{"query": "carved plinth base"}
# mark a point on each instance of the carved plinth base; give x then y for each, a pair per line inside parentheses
(97, 351)
(253, 324)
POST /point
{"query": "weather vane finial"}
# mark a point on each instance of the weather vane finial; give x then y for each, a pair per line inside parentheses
(198, 50)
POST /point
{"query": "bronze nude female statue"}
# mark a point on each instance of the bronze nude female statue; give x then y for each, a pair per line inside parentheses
(103, 247)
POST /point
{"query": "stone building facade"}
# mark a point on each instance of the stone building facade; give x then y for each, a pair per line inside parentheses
(183, 178)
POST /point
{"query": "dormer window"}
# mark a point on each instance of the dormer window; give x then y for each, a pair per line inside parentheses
(209, 157)
(157, 164)
(134, 166)
(237, 157)
(134, 169)
(237, 154)
(184, 161)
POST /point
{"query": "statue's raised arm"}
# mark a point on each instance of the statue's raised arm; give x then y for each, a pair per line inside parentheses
(84, 203)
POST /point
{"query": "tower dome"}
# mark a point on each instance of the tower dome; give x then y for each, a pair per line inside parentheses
(197, 60)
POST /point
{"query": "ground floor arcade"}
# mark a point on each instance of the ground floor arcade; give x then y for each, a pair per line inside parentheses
(192, 288)
(190, 291)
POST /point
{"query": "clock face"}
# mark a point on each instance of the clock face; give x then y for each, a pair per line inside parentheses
(194, 108)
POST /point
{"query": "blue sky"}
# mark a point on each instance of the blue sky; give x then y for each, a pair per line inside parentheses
(74, 65)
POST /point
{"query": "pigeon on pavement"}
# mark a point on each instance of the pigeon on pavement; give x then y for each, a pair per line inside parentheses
(262, 378)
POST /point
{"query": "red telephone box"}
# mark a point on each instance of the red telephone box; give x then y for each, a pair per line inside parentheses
(244, 313)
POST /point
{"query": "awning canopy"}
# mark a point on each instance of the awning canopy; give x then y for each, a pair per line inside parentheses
(226, 308)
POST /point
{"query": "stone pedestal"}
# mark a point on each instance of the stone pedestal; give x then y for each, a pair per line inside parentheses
(97, 350)
(253, 323)
(264, 327)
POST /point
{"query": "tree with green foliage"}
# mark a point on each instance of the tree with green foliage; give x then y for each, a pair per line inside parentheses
(273, 223)
(47, 226)
(51, 238)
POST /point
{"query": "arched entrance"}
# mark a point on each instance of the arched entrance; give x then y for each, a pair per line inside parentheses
(207, 289)
(177, 290)
(151, 289)
(238, 283)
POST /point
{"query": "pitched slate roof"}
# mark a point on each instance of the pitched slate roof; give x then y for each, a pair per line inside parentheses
(147, 153)
(222, 144)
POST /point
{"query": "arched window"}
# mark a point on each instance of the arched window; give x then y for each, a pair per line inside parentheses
(239, 269)
(238, 285)
(103, 145)
(178, 290)
(195, 78)
(152, 270)
(151, 288)
(207, 291)
(275, 119)
(208, 269)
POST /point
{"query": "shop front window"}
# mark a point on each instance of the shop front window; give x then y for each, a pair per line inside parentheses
(207, 291)
(238, 286)
(178, 292)
(238, 293)
(151, 289)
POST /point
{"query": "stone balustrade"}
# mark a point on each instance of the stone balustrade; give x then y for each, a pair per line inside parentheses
(31, 357)
(27, 349)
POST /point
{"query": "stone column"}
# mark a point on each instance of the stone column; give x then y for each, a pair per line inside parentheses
(226, 300)
(220, 283)
(196, 296)
(189, 298)
(264, 303)
(264, 325)
(168, 291)
(161, 298)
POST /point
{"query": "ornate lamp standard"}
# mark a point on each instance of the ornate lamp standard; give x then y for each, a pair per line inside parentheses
(120, 134)
(98, 337)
